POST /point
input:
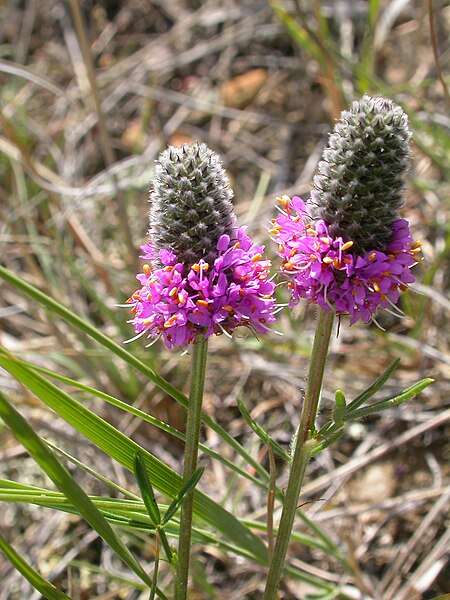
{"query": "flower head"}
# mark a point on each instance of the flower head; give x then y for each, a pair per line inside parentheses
(208, 298)
(358, 187)
(325, 270)
(349, 249)
(190, 204)
(204, 275)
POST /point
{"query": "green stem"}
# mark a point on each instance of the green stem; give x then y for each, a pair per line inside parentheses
(198, 368)
(165, 543)
(303, 448)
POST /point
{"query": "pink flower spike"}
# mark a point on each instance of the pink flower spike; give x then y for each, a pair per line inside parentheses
(324, 270)
(180, 304)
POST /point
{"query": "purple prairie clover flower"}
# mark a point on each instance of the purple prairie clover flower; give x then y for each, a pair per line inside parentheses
(179, 304)
(324, 269)
(348, 249)
(204, 275)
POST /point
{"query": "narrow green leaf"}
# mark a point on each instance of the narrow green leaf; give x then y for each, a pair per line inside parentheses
(390, 402)
(130, 583)
(178, 500)
(116, 512)
(263, 435)
(112, 484)
(366, 60)
(93, 332)
(148, 496)
(298, 33)
(153, 590)
(376, 385)
(66, 484)
(44, 587)
(147, 418)
(122, 449)
(329, 441)
(339, 407)
(121, 512)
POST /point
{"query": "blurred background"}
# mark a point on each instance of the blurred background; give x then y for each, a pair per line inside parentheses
(91, 92)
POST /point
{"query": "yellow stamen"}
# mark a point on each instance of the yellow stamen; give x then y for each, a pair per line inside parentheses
(376, 287)
(417, 244)
(237, 245)
(147, 270)
(274, 231)
(337, 264)
(197, 267)
(181, 299)
(228, 308)
(284, 201)
(173, 292)
(256, 257)
(327, 260)
(203, 303)
(372, 256)
(170, 321)
(347, 245)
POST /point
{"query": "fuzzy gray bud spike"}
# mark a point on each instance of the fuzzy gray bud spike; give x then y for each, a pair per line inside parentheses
(191, 204)
(358, 186)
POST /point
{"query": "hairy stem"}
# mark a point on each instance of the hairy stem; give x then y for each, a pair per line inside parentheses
(303, 447)
(198, 368)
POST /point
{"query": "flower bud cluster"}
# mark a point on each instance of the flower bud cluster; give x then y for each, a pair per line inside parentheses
(190, 204)
(358, 186)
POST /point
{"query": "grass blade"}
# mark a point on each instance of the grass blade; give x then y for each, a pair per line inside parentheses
(390, 402)
(93, 332)
(66, 484)
(149, 419)
(47, 589)
(122, 449)
(263, 435)
(178, 500)
(148, 496)
(371, 390)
